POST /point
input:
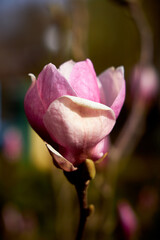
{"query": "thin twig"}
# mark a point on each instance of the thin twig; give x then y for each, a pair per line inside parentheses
(145, 32)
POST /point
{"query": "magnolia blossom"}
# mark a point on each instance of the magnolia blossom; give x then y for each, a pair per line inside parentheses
(73, 111)
(12, 143)
(144, 83)
(128, 219)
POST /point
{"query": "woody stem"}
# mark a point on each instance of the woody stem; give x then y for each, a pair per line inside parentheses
(84, 209)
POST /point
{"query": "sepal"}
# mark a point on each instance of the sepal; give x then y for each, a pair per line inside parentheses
(59, 161)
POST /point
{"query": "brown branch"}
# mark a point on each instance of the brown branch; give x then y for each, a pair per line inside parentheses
(145, 32)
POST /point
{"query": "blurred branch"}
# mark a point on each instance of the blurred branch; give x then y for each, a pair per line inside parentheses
(80, 18)
(146, 55)
(133, 128)
(130, 134)
(145, 32)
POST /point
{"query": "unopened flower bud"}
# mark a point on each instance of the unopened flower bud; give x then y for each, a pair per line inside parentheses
(12, 144)
(128, 219)
(144, 83)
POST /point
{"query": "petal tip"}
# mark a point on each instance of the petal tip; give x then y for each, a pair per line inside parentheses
(121, 69)
(32, 76)
(49, 66)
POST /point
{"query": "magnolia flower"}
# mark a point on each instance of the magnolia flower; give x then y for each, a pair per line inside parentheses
(144, 83)
(73, 111)
(128, 219)
(12, 143)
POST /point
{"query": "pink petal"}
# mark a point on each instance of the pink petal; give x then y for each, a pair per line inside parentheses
(78, 124)
(83, 80)
(52, 85)
(60, 161)
(66, 68)
(112, 88)
(102, 162)
(35, 110)
(98, 151)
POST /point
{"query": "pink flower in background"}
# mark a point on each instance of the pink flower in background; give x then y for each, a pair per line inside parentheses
(144, 83)
(128, 219)
(74, 111)
(12, 143)
(18, 223)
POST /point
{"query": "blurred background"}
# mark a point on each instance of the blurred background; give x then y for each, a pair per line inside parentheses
(36, 201)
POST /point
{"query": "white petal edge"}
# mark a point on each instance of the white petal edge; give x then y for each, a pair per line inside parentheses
(88, 103)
